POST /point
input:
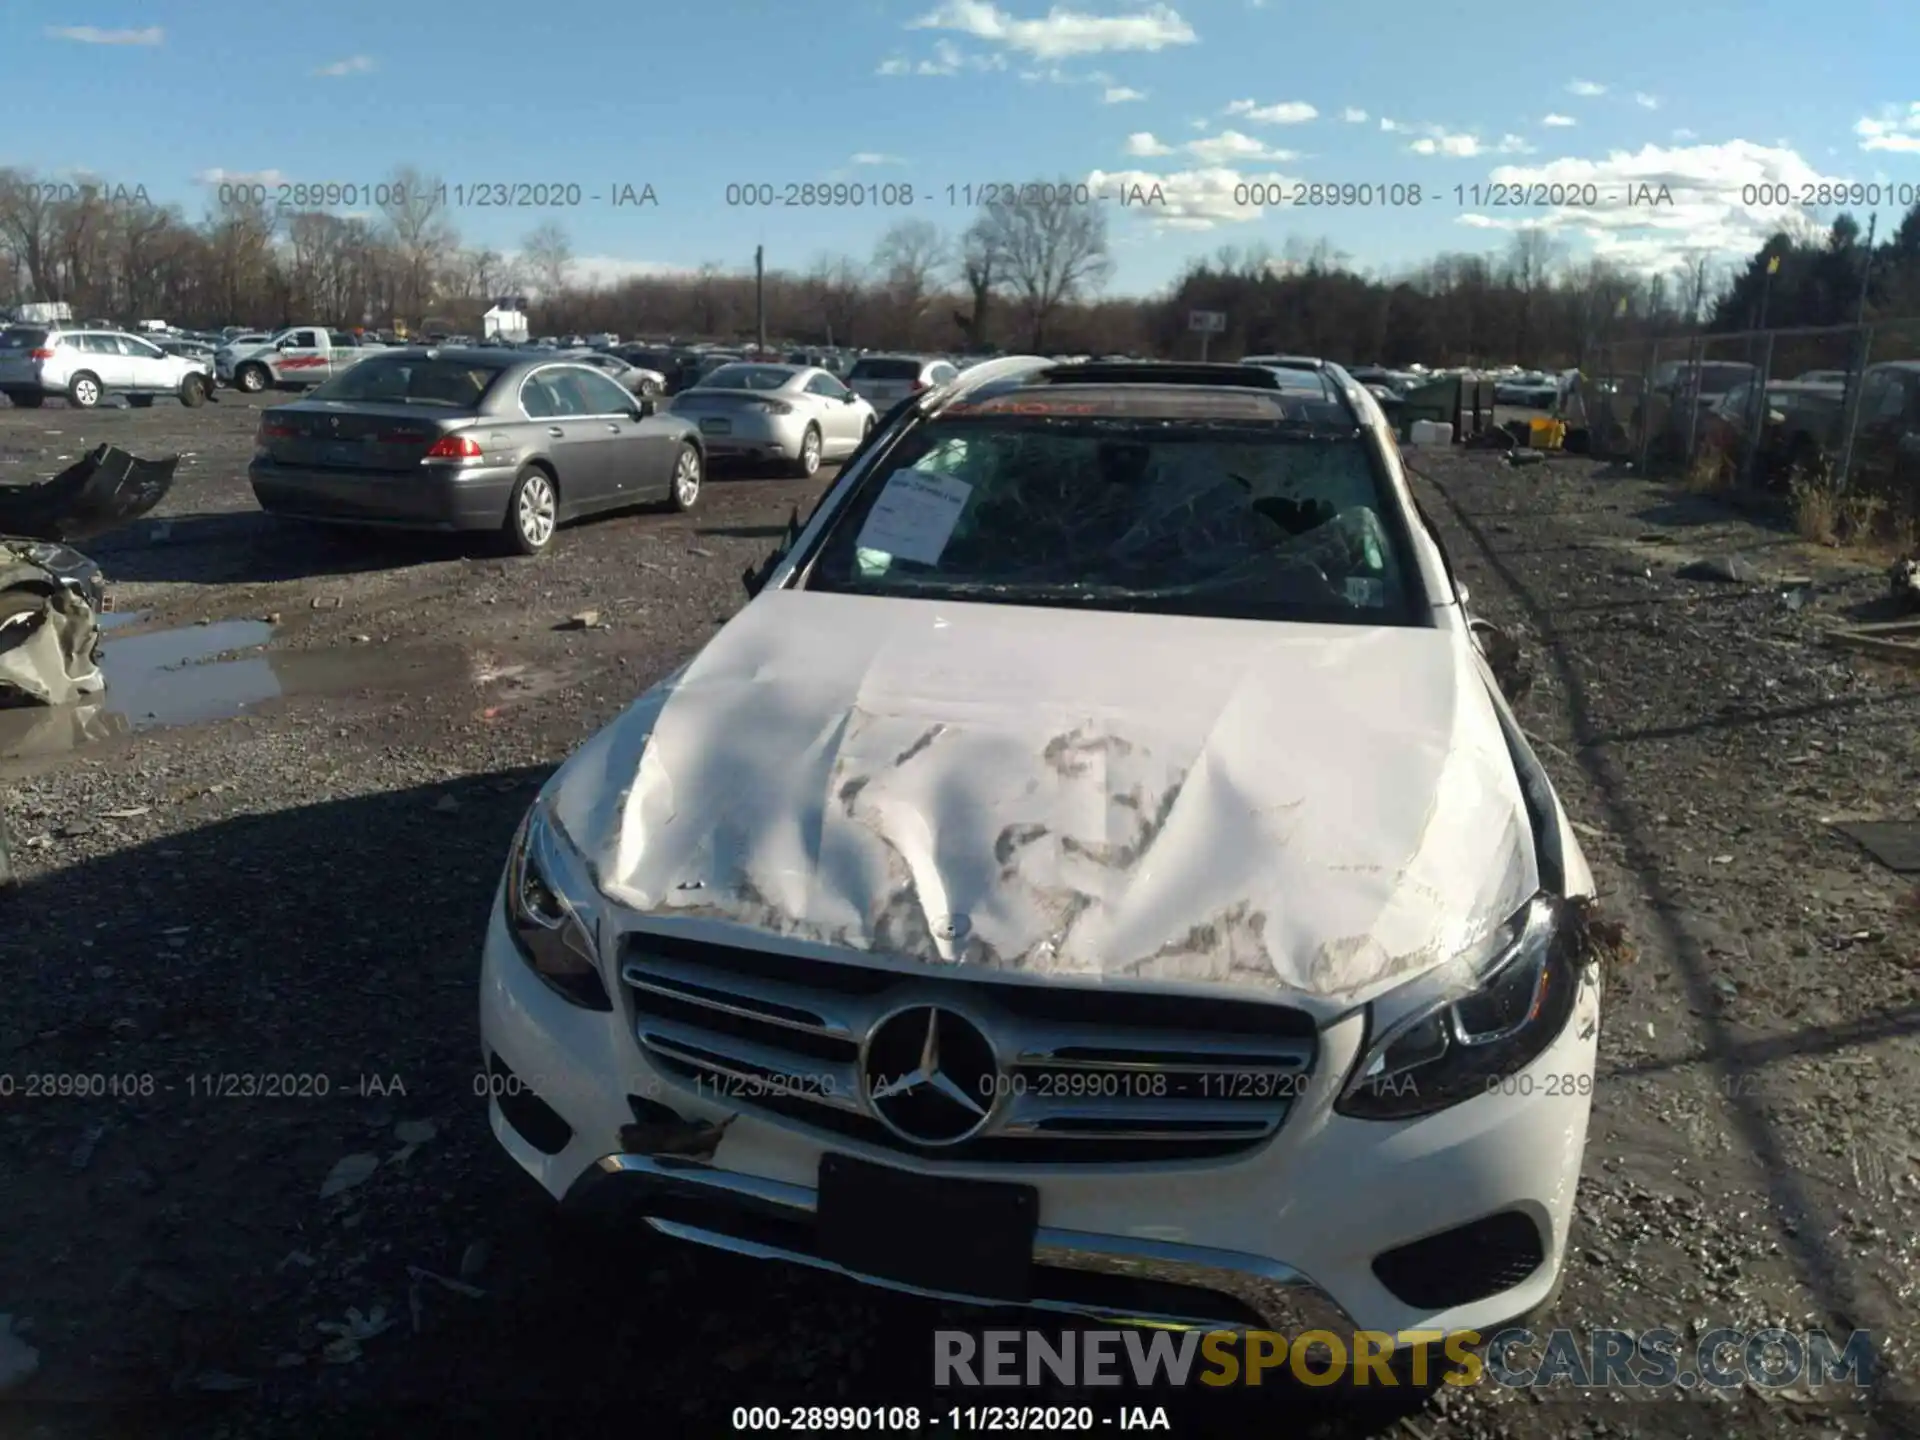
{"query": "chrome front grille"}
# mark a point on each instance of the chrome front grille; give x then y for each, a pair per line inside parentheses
(1087, 1074)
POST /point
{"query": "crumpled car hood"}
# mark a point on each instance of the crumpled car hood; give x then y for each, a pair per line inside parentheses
(1323, 811)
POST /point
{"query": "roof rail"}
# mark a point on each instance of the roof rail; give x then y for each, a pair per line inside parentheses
(1156, 372)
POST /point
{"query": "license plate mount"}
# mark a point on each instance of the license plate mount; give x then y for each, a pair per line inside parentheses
(716, 427)
(961, 1237)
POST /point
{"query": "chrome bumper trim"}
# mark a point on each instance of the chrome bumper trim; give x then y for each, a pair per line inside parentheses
(1286, 1300)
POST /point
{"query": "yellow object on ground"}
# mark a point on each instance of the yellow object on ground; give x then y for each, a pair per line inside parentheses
(1549, 434)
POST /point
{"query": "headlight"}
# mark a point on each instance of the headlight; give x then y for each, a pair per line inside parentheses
(1429, 1052)
(550, 908)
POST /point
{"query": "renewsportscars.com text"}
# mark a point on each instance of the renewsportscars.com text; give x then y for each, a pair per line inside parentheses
(1514, 1358)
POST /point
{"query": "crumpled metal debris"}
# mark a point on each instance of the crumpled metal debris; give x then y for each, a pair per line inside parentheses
(50, 595)
(105, 489)
(49, 644)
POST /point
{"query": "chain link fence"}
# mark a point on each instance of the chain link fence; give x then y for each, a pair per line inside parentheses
(1837, 407)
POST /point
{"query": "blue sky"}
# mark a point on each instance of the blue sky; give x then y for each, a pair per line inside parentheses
(1199, 98)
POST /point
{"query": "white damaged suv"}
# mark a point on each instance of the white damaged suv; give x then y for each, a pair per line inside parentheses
(1097, 871)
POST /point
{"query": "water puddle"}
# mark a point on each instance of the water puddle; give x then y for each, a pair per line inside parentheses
(176, 677)
(162, 678)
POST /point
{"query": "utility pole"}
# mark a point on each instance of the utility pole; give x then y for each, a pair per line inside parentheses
(1866, 272)
(1857, 372)
(760, 297)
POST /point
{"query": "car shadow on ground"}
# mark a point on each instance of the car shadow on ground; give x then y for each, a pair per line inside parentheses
(251, 547)
(743, 532)
(340, 939)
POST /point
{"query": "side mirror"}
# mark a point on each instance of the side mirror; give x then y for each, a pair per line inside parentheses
(647, 405)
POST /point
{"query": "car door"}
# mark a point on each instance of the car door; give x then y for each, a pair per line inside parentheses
(575, 441)
(638, 451)
(110, 365)
(149, 368)
(839, 425)
(303, 358)
(342, 351)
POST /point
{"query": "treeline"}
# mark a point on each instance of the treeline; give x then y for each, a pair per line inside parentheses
(1020, 274)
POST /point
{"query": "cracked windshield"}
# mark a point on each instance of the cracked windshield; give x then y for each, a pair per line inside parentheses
(1187, 716)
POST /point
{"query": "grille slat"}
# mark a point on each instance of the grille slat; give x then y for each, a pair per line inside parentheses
(778, 1003)
(1088, 1074)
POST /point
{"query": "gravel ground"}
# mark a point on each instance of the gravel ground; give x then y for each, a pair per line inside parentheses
(296, 887)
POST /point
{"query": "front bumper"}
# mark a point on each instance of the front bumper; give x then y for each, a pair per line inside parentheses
(427, 497)
(1284, 1236)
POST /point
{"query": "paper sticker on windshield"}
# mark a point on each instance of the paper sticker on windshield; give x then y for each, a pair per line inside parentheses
(914, 517)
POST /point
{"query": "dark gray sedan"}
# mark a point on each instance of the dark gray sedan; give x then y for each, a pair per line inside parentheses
(472, 439)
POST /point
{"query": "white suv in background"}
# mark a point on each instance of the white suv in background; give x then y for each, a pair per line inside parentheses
(884, 380)
(85, 366)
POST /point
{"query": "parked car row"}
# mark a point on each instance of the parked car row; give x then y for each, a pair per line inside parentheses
(1794, 423)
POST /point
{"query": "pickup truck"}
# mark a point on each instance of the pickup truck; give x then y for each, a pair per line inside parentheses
(304, 356)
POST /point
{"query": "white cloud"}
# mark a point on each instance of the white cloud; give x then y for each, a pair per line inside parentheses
(1456, 147)
(874, 157)
(1286, 112)
(352, 65)
(1232, 145)
(94, 35)
(217, 177)
(1354, 116)
(1201, 124)
(1391, 127)
(1052, 74)
(948, 59)
(1893, 132)
(1557, 120)
(1646, 101)
(1704, 211)
(1585, 87)
(1143, 143)
(1122, 94)
(1513, 145)
(1685, 135)
(1062, 32)
(1195, 199)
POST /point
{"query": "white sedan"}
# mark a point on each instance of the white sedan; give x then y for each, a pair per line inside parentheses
(799, 416)
(1101, 845)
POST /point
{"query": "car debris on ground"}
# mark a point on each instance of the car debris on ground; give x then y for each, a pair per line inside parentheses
(51, 596)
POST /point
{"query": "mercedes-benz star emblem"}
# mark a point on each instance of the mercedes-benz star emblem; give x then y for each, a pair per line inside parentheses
(930, 1076)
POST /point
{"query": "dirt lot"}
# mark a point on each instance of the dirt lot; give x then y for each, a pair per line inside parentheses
(279, 863)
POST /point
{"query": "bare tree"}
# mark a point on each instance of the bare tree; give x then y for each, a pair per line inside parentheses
(982, 268)
(906, 263)
(1530, 260)
(1052, 249)
(1696, 284)
(27, 225)
(548, 255)
(421, 231)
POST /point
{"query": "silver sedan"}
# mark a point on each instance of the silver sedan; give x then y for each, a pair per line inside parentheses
(796, 415)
